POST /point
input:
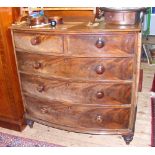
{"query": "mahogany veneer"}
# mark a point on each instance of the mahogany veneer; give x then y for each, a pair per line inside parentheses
(11, 106)
(82, 79)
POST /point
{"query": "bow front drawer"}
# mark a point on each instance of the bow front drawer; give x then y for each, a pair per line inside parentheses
(78, 116)
(76, 68)
(43, 43)
(77, 92)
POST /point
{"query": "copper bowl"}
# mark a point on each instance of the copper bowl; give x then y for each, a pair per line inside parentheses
(37, 21)
(123, 16)
(58, 19)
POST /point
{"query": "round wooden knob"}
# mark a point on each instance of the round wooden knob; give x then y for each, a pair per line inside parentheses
(37, 65)
(35, 40)
(40, 88)
(100, 94)
(44, 110)
(99, 43)
(100, 69)
(99, 118)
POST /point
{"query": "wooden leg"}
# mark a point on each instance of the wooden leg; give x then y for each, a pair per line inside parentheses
(29, 123)
(128, 138)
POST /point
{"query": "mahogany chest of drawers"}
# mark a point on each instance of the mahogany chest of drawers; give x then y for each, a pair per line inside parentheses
(82, 79)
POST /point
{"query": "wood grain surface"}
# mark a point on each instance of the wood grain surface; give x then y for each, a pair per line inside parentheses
(11, 106)
(89, 85)
(76, 68)
(78, 116)
(77, 92)
(39, 42)
(113, 45)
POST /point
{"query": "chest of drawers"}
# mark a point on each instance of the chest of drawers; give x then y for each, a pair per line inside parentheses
(81, 79)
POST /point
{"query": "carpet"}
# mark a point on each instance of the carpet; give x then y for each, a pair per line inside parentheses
(153, 113)
(7, 140)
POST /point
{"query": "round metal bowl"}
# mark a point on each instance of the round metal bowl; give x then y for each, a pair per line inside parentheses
(124, 15)
(123, 9)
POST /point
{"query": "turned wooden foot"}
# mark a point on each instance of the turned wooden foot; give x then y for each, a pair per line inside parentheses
(30, 123)
(127, 138)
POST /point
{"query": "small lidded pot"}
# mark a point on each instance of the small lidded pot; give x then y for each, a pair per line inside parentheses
(37, 20)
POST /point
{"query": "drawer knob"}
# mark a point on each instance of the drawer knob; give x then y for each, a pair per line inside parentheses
(99, 118)
(37, 65)
(99, 43)
(40, 88)
(100, 69)
(35, 40)
(44, 110)
(100, 94)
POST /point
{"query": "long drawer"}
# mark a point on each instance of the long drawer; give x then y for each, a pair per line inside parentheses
(78, 116)
(43, 43)
(114, 45)
(76, 68)
(77, 93)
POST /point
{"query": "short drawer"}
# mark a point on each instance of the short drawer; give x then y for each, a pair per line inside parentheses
(117, 45)
(90, 117)
(77, 92)
(43, 43)
(76, 68)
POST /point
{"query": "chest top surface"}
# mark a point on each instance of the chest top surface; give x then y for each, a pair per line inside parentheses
(80, 27)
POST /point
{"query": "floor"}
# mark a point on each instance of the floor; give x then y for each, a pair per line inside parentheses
(142, 129)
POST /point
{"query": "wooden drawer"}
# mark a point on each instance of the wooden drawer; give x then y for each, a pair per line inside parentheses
(43, 43)
(77, 116)
(76, 68)
(77, 93)
(118, 45)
